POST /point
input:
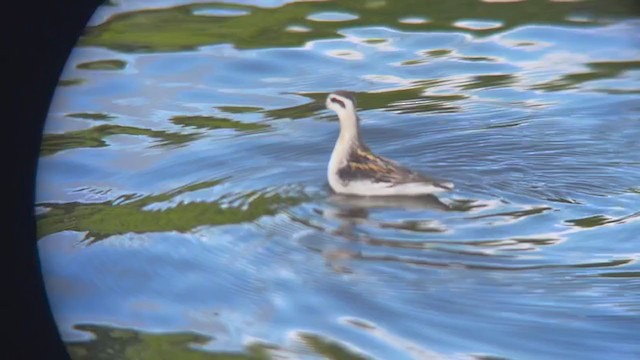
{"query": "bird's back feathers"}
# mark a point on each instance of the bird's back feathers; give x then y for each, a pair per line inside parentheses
(362, 164)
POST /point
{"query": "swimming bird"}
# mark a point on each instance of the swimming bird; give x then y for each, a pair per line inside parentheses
(354, 170)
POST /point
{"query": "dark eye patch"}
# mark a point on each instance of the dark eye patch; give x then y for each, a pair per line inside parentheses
(339, 102)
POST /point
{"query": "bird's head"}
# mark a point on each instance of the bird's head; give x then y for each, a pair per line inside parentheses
(343, 103)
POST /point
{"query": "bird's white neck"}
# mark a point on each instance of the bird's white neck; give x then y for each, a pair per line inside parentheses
(349, 136)
(349, 128)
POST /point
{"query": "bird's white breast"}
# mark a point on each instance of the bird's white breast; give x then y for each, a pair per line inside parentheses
(338, 159)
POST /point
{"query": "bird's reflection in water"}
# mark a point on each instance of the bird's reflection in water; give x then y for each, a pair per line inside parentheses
(352, 212)
(397, 202)
(355, 208)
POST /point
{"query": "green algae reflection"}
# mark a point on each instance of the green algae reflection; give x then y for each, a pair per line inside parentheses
(127, 214)
(180, 28)
(330, 349)
(239, 109)
(71, 82)
(601, 220)
(404, 101)
(94, 138)
(490, 81)
(600, 70)
(110, 343)
(103, 65)
(126, 344)
(212, 123)
(91, 116)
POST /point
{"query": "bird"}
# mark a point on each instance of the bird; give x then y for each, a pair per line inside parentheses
(354, 169)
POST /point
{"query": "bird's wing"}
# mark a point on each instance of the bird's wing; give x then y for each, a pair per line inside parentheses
(363, 164)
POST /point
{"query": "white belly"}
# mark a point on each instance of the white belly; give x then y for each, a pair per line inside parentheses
(369, 188)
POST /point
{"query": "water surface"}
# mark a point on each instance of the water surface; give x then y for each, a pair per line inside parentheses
(183, 207)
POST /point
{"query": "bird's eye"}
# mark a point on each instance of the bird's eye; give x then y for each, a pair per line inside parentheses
(339, 102)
